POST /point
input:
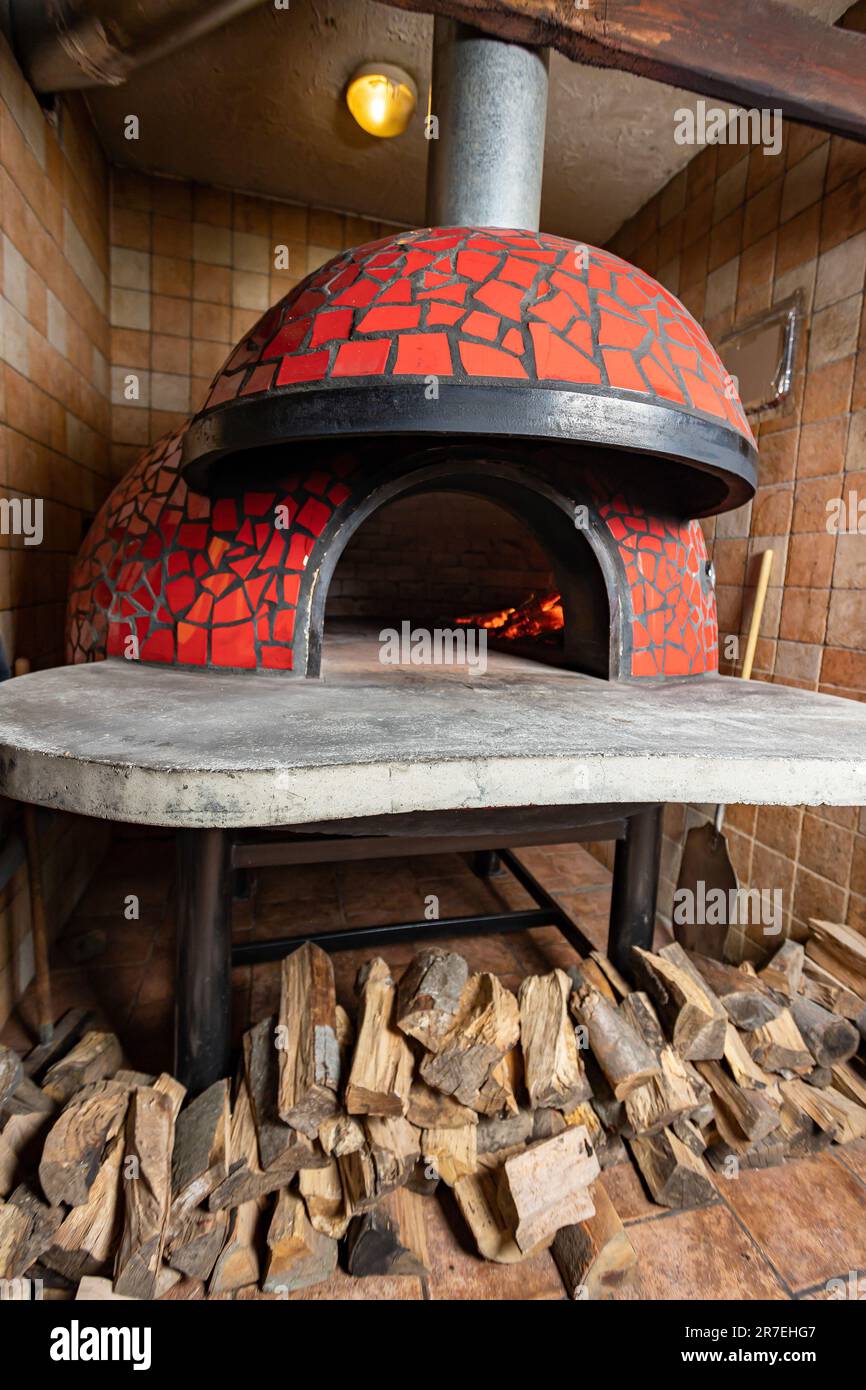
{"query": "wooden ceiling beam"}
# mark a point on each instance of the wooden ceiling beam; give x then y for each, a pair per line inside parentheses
(750, 53)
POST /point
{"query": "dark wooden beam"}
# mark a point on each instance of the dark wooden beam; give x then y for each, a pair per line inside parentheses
(751, 53)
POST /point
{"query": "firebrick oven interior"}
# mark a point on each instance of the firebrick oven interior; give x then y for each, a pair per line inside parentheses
(433, 843)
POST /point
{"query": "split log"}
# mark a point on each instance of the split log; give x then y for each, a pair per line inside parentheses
(328, 1206)
(618, 984)
(194, 1242)
(779, 1046)
(147, 1192)
(547, 1187)
(171, 1087)
(27, 1228)
(309, 1053)
(280, 1146)
(390, 1239)
(96, 1057)
(694, 1016)
(452, 1153)
(381, 1071)
(607, 1147)
(87, 1238)
(637, 1010)
(554, 1075)
(746, 1000)
(751, 1111)
(199, 1160)
(11, 1072)
(595, 1257)
(485, 1027)
(590, 972)
(341, 1134)
(745, 1069)
(840, 950)
(94, 1289)
(498, 1093)
(512, 1132)
(795, 1137)
(834, 1113)
(784, 971)
(246, 1178)
(548, 1123)
(478, 1200)
(850, 1081)
(238, 1262)
(395, 1147)
(689, 1134)
(428, 996)
(77, 1141)
(829, 1039)
(675, 1176)
(66, 1033)
(429, 1109)
(824, 989)
(298, 1255)
(622, 1054)
(655, 1105)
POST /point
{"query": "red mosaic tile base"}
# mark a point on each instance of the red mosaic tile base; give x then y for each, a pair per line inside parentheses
(217, 583)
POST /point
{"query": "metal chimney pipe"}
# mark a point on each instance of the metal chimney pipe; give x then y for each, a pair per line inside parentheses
(490, 101)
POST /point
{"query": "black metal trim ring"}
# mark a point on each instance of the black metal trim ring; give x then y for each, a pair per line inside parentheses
(597, 416)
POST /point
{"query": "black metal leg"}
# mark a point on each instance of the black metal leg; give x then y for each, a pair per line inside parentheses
(635, 887)
(203, 982)
(486, 863)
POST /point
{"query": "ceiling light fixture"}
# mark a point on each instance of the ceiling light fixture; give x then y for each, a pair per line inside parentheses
(382, 98)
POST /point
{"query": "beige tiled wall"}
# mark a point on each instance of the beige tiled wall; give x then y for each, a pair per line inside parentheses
(192, 268)
(732, 234)
(55, 421)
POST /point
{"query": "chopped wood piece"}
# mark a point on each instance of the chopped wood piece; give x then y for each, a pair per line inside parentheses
(147, 1192)
(795, 1137)
(744, 1068)
(689, 1134)
(66, 1033)
(694, 1016)
(386, 1240)
(328, 1206)
(309, 1053)
(87, 1238)
(428, 996)
(547, 1123)
(779, 1046)
(381, 1072)
(608, 1148)
(485, 1027)
(850, 1080)
(11, 1072)
(429, 1109)
(620, 986)
(547, 1186)
(595, 1257)
(674, 1175)
(395, 1147)
(194, 1243)
(27, 1227)
(637, 1009)
(172, 1088)
(26, 1099)
(622, 1054)
(591, 973)
(840, 950)
(836, 1114)
(553, 1072)
(824, 989)
(494, 1135)
(95, 1057)
(477, 1197)
(280, 1146)
(299, 1255)
(498, 1093)
(238, 1262)
(746, 1000)
(246, 1178)
(199, 1160)
(783, 971)
(94, 1289)
(829, 1038)
(341, 1134)
(78, 1139)
(453, 1153)
(665, 1097)
(751, 1111)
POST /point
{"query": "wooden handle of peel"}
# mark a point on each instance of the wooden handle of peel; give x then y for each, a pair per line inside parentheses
(757, 614)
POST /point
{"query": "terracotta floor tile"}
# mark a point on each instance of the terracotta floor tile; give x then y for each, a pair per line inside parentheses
(458, 1272)
(699, 1254)
(809, 1217)
(345, 1289)
(628, 1194)
(853, 1156)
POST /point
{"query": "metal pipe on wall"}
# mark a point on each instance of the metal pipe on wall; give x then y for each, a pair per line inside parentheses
(489, 99)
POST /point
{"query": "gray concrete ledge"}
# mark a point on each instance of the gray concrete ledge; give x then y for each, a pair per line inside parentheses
(166, 747)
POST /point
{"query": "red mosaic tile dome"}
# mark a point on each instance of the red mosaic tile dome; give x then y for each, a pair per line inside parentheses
(482, 332)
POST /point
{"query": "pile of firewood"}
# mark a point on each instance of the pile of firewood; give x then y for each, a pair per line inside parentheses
(336, 1131)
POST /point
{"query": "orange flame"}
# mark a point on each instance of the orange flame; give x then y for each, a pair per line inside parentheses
(533, 618)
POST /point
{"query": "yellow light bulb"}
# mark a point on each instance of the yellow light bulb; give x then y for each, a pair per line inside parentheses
(382, 99)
